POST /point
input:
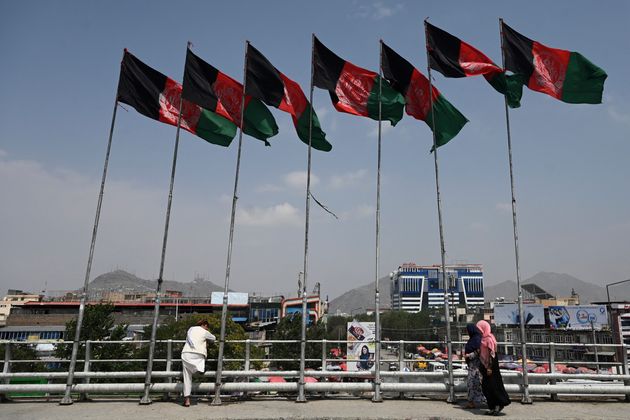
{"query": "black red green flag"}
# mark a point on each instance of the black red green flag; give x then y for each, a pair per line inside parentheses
(454, 58)
(414, 86)
(564, 75)
(207, 87)
(267, 83)
(156, 96)
(353, 89)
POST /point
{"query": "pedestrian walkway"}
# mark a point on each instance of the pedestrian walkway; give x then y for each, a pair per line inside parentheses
(316, 409)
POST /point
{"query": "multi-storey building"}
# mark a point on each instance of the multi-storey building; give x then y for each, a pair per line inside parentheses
(35, 320)
(418, 287)
(15, 298)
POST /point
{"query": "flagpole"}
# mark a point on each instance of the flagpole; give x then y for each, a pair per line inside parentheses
(447, 312)
(301, 397)
(156, 311)
(526, 398)
(377, 350)
(67, 398)
(224, 309)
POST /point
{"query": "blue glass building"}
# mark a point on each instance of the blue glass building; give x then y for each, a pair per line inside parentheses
(417, 287)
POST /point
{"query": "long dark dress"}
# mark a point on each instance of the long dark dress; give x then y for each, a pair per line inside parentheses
(492, 386)
(473, 381)
(471, 351)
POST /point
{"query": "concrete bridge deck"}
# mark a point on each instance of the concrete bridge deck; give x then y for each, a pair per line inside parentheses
(328, 409)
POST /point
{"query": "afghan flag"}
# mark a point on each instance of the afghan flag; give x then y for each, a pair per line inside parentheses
(265, 82)
(454, 58)
(158, 97)
(353, 89)
(207, 87)
(565, 75)
(412, 84)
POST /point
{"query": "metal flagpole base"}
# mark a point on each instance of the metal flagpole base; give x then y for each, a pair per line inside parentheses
(217, 395)
(301, 398)
(378, 396)
(146, 399)
(451, 394)
(526, 398)
(66, 401)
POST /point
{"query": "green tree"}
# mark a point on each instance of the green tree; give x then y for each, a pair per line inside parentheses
(336, 327)
(176, 330)
(98, 325)
(23, 352)
(290, 328)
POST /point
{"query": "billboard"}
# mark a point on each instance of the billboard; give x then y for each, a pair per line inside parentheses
(582, 317)
(298, 310)
(234, 298)
(361, 347)
(507, 314)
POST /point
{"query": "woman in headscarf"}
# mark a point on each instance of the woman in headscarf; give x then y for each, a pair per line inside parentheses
(491, 383)
(364, 358)
(471, 355)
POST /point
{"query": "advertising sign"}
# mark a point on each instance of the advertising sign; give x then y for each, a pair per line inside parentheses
(234, 298)
(507, 314)
(361, 347)
(583, 317)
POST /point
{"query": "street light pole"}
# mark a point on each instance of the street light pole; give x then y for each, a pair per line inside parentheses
(608, 296)
(612, 284)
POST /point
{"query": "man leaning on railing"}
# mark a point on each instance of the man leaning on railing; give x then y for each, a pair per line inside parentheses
(194, 354)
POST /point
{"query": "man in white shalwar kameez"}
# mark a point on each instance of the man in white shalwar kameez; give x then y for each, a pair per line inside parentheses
(194, 355)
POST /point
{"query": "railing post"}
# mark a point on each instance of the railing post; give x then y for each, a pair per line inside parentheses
(595, 348)
(6, 368)
(401, 362)
(248, 356)
(86, 368)
(324, 353)
(552, 367)
(626, 368)
(169, 365)
(247, 353)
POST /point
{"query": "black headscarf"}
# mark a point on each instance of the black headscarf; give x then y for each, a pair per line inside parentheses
(474, 342)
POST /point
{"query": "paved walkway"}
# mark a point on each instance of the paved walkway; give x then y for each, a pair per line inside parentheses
(327, 409)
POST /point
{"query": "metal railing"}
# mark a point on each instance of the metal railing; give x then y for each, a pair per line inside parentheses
(402, 380)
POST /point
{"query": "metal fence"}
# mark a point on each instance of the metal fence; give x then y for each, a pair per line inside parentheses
(399, 378)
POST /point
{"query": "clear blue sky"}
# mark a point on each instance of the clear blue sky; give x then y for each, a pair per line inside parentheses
(60, 63)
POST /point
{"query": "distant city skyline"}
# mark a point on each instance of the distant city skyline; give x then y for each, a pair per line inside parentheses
(60, 71)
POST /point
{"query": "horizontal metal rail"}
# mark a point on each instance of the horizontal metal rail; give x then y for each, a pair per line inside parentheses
(311, 373)
(292, 387)
(396, 381)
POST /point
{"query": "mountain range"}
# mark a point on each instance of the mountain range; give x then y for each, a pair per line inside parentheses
(361, 299)
(122, 281)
